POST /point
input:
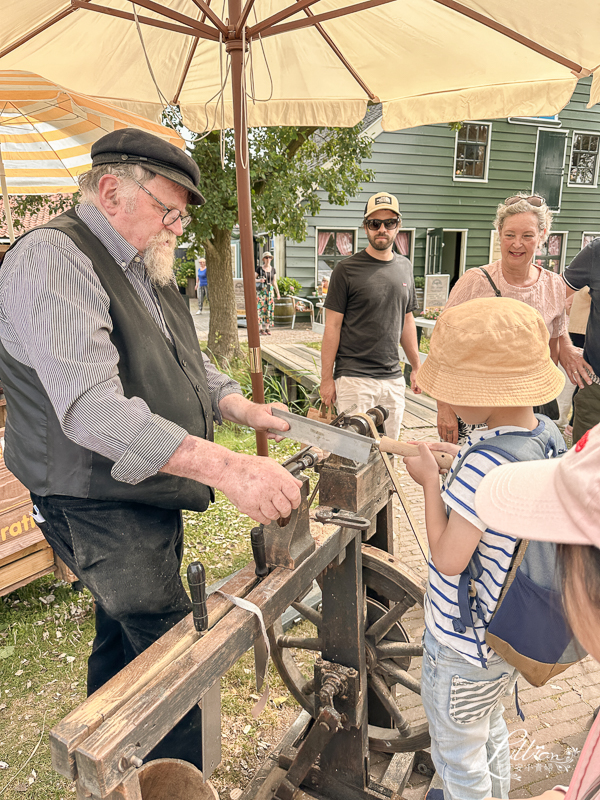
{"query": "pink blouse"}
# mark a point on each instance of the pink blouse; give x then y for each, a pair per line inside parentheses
(547, 295)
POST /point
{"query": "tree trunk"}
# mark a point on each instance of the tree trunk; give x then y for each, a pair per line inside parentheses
(223, 340)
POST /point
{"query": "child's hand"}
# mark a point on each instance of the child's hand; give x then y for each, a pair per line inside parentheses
(423, 468)
(440, 447)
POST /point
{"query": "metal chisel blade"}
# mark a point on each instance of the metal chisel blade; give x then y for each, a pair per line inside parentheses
(335, 440)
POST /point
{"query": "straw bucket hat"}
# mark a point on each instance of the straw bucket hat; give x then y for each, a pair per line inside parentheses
(490, 352)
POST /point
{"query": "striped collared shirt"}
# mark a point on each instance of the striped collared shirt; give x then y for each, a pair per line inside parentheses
(54, 317)
(495, 551)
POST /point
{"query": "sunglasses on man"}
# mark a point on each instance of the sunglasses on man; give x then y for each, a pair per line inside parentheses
(375, 224)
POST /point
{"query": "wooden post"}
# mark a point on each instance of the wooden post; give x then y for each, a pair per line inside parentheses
(242, 172)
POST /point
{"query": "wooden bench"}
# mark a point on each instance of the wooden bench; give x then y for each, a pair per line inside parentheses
(299, 365)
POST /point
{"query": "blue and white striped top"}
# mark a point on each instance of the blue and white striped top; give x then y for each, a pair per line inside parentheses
(495, 551)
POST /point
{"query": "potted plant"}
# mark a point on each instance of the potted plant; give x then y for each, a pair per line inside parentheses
(420, 291)
(284, 309)
(288, 286)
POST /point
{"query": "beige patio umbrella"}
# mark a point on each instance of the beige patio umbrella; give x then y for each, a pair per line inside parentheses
(46, 134)
(308, 62)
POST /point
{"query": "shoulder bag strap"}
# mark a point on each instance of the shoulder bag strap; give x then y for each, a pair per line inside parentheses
(497, 291)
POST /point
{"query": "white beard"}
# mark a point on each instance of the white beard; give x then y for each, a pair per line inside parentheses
(159, 257)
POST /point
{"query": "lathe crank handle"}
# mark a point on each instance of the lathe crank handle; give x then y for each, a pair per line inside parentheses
(387, 445)
(197, 582)
(257, 540)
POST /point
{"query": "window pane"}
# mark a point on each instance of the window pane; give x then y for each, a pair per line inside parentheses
(554, 243)
(471, 151)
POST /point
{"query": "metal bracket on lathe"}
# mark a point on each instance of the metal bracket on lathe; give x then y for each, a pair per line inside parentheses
(288, 541)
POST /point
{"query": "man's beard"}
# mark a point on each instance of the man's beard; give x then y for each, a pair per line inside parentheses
(380, 244)
(159, 257)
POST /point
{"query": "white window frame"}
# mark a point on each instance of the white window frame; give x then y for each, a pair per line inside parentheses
(487, 156)
(593, 185)
(333, 229)
(463, 249)
(588, 233)
(493, 238)
(562, 183)
(563, 255)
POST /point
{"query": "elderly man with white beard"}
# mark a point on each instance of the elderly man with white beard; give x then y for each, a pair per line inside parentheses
(111, 403)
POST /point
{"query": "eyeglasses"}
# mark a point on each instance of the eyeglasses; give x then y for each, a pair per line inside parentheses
(375, 224)
(534, 200)
(171, 215)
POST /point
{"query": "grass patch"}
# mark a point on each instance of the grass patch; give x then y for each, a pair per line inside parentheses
(46, 632)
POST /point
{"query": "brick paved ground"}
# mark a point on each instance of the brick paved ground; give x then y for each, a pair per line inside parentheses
(557, 716)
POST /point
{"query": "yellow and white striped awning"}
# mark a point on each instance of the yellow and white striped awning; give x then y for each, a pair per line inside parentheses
(46, 132)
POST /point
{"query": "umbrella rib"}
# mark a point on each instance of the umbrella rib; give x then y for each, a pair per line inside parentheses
(164, 11)
(312, 21)
(208, 12)
(155, 23)
(275, 18)
(517, 37)
(244, 16)
(186, 69)
(345, 62)
(44, 26)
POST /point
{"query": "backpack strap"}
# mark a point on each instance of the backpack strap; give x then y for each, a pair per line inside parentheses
(468, 600)
(497, 291)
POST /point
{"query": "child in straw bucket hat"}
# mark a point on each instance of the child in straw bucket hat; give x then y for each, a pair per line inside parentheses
(489, 359)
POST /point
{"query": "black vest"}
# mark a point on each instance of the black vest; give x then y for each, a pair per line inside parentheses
(171, 379)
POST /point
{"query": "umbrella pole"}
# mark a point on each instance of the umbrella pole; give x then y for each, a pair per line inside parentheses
(242, 173)
(7, 214)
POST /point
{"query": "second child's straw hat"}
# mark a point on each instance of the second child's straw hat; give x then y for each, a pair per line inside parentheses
(490, 352)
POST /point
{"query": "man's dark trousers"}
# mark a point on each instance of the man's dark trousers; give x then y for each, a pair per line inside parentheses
(129, 556)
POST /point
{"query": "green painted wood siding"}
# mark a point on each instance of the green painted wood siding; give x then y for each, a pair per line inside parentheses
(417, 166)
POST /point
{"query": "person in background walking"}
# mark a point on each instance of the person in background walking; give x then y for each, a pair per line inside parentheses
(266, 288)
(201, 284)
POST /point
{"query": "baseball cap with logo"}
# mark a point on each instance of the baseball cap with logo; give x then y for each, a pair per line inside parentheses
(382, 201)
(553, 500)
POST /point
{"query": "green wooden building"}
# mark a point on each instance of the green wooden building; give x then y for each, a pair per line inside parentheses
(449, 183)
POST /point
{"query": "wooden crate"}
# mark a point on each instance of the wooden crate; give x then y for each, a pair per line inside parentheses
(24, 553)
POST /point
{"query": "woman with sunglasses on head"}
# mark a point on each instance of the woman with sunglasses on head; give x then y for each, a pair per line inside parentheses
(523, 224)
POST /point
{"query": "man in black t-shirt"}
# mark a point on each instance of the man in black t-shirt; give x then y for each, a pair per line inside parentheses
(369, 304)
(584, 270)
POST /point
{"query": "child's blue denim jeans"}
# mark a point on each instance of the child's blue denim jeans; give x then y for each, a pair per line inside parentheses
(469, 738)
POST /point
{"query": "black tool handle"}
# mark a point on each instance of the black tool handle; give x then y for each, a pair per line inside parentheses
(257, 538)
(197, 582)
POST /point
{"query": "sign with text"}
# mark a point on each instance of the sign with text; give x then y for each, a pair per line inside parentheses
(437, 288)
(238, 290)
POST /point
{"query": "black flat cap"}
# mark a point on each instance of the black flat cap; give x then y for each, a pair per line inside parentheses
(132, 146)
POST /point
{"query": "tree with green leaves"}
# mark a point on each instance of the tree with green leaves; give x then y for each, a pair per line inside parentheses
(290, 168)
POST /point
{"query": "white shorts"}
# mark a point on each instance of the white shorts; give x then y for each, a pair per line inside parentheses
(369, 392)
